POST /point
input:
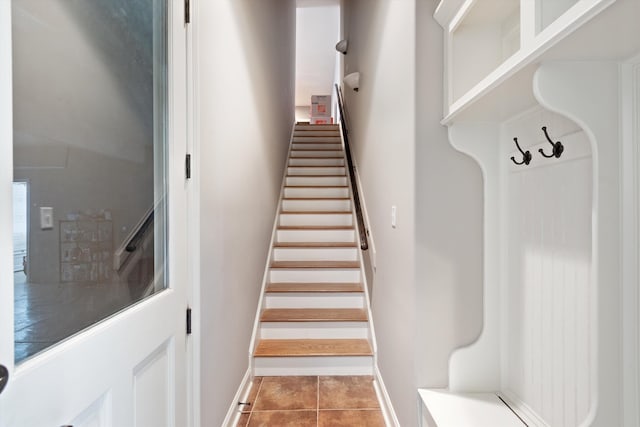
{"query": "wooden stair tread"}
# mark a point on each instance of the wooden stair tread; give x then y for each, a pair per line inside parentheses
(316, 186)
(316, 198)
(316, 227)
(321, 139)
(316, 212)
(317, 139)
(314, 287)
(315, 245)
(316, 157)
(316, 149)
(313, 315)
(315, 166)
(315, 264)
(326, 134)
(318, 176)
(313, 347)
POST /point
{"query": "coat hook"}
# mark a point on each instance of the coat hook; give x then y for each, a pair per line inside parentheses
(526, 155)
(558, 148)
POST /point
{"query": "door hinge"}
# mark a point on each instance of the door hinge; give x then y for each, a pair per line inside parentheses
(188, 320)
(187, 166)
(187, 11)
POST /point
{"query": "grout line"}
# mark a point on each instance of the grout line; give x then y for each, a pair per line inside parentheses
(253, 404)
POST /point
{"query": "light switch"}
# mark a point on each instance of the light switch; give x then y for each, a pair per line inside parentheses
(46, 218)
(393, 216)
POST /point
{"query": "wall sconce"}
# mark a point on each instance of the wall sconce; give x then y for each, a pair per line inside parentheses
(341, 46)
(353, 81)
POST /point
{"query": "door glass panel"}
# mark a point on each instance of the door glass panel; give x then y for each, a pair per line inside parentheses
(90, 153)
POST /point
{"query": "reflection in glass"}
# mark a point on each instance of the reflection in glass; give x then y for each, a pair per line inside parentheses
(89, 147)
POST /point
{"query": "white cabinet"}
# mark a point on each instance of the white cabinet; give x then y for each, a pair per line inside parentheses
(561, 321)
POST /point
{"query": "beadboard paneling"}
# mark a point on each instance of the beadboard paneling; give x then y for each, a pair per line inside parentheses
(549, 290)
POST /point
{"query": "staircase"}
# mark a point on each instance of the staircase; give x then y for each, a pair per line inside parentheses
(314, 317)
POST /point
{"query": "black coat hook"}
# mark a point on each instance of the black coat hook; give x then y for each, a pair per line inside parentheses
(526, 155)
(558, 148)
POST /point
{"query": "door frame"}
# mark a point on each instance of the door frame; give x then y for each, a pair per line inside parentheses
(189, 214)
(194, 384)
(6, 186)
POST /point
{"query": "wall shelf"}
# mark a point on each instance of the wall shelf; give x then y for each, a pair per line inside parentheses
(86, 250)
(577, 32)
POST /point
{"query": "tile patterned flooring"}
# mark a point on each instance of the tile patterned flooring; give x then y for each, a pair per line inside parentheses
(45, 314)
(323, 401)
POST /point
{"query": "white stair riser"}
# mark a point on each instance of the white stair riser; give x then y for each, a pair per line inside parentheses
(320, 146)
(316, 205)
(329, 170)
(315, 162)
(337, 192)
(311, 366)
(315, 139)
(317, 127)
(318, 153)
(315, 235)
(306, 300)
(309, 275)
(316, 180)
(315, 254)
(331, 132)
(314, 330)
(316, 219)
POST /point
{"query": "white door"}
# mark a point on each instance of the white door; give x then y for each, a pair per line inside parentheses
(85, 357)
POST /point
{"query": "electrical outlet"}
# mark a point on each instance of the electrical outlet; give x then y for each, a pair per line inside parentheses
(46, 218)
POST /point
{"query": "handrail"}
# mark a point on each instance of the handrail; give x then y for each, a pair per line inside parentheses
(364, 241)
(132, 244)
(132, 241)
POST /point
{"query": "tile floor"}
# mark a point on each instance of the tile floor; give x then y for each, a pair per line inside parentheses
(312, 401)
(45, 314)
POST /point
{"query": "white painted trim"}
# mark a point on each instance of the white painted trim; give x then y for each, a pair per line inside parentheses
(6, 198)
(630, 241)
(458, 17)
(363, 276)
(476, 367)
(636, 131)
(194, 342)
(523, 410)
(389, 414)
(446, 10)
(233, 415)
(265, 278)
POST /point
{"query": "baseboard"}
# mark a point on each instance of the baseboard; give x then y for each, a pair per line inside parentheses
(390, 418)
(233, 415)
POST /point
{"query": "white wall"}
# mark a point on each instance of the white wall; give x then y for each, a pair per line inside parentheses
(245, 82)
(427, 288)
(317, 32)
(381, 38)
(449, 221)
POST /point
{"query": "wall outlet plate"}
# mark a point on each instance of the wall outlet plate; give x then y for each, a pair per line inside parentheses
(46, 218)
